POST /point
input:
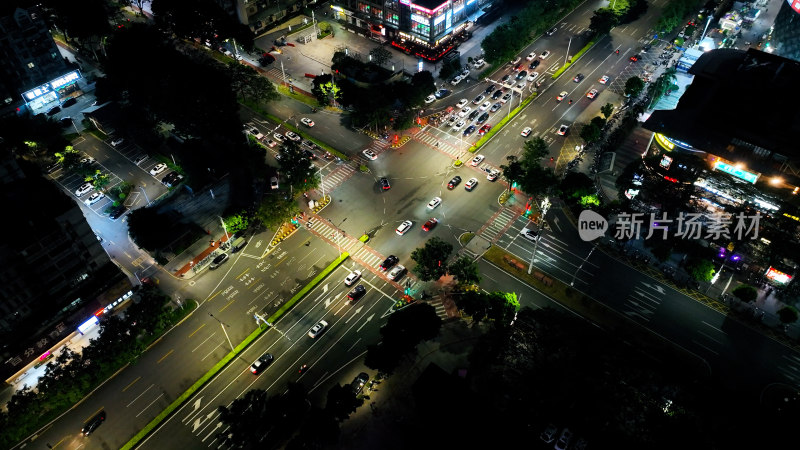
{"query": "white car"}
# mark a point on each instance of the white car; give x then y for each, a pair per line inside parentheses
(94, 198)
(436, 201)
(533, 76)
(505, 98)
(352, 278)
(404, 227)
(485, 106)
(464, 111)
(493, 175)
(531, 56)
(273, 183)
(477, 160)
(470, 185)
(255, 133)
(522, 85)
(591, 94)
(158, 168)
(459, 125)
(516, 60)
(477, 64)
(370, 155)
(87, 160)
(317, 329)
(456, 80)
(430, 99)
(465, 73)
(545, 54)
(462, 103)
(604, 79)
(307, 122)
(526, 132)
(562, 96)
(270, 143)
(117, 141)
(562, 130)
(83, 189)
(293, 136)
(279, 137)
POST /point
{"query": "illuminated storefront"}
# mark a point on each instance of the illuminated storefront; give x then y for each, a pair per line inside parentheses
(47, 95)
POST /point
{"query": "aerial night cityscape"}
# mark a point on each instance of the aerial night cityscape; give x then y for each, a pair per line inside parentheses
(400, 224)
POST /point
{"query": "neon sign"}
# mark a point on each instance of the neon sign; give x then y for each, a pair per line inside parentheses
(736, 172)
(778, 276)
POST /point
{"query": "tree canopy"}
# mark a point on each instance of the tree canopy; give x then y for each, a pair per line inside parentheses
(431, 259)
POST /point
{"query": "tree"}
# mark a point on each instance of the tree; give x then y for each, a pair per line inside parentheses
(539, 180)
(99, 179)
(248, 84)
(474, 304)
(664, 84)
(513, 171)
(276, 209)
(745, 293)
(606, 110)
(591, 133)
(69, 158)
(237, 222)
(533, 152)
(319, 89)
(465, 270)
(432, 259)
(787, 314)
(503, 306)
(633, 86)
(342, 402)
(403, 331)
(701, 269)
(380, 55)
(296, 168)
(449, 68)
(146, 227)
(603, 21)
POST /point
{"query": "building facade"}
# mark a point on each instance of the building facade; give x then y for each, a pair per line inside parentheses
(261, 15)
(785, 37)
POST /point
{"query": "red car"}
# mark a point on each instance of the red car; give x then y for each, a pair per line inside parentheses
(430, 224)
(484, 129)
(635, 58)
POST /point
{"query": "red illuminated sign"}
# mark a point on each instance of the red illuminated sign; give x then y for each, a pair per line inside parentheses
(795, 4)
(778, 276)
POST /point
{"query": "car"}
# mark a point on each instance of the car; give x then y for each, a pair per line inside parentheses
(509, 83)
(635, 58)
(473, 114)
(459, 125)
(116, 141)
(532, 77)
(470, 185)
(464, 111)
(495, 107)
(442, 93)
(270, 143)
(385, 184)
(83, 189)
(430, 99)
(370, 155)
(307, 122)
(86, 160)
(478, 99)
(404, 227)
(478, 63)
(140, 159)
(505, 78)
(357, 293)
(309, 144)
(529, 234)
(158, 168)
(545, 54)
(515, 61)
(484, 129)
(54, 110)
(464, 73)
(117, 212)
(171, 179)
(490, 89)
(522, 85)
(492, 175)
(531, 56)
(279, 137)
(452, 120)
(273, 183)
(389, 262)
(456, 80)
(497, 94)
(430, 224)
(93, 423)
(462, 103)
(94, 198)
(549, 434)
(317, 329)
(526, 132)
(255, 133)
(397, 272)
(219, 260)
(552, 31)
(482, 118)
(563, 440)
(454, 182)
(522, 74)
(358, 383)
(436, 201)
(506, 97)
(604, 79)
(470, 129)
(352, 277)
(562, 130)
(485, 105)
(69, 102)
(477, 160)
(534, 64)
(578, 78)
(562, 96)
(518, 67)
(293, 136)
(65, 122)
(591, 94)
(261, 363)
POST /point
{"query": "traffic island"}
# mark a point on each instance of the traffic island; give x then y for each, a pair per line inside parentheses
(401, 142)
(286, 230)
(321, 204)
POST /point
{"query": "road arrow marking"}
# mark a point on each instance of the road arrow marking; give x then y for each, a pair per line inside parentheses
(365, 322)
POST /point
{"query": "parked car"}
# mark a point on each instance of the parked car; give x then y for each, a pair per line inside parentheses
(94, 198)
(83, 189)
(478, 99)
(273, 183)
(116, 141)
(158, 168)
(483, 118)
(430, 99)
(69, 102)
(358, 383)
(218, 261)
(117, 212)
(470, 129)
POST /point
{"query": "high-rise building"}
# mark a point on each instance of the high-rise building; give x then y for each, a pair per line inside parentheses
(260, 15)
(785, 39)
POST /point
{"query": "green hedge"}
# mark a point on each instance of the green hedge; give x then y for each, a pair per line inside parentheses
(232, 354)
(577, 56)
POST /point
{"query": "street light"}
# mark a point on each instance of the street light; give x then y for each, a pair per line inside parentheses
(544, 207)
(223, 325)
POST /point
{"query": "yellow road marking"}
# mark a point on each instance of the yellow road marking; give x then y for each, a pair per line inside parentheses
(229, 304)
(132, 382)
(163, 357)
(59, 443)
(212, 297)
(254, 283)
(93, 414)
(245, 271)
(279, 262)
(198, 329)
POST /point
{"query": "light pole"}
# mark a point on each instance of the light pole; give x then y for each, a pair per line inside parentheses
(284, 74)
(223, 325)
(572, 283)
(544, 207)
(321, 182)
(568, 45)
(227, 237)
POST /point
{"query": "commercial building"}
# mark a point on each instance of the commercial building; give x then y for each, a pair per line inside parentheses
(785, 37)
(261, 15)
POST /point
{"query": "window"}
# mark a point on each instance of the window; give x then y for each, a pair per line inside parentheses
(377, 13)
(393, 19)
(31, 65)
(363, 7)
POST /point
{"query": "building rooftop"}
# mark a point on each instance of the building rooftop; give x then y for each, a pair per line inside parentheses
(429, 4)
(737, 97)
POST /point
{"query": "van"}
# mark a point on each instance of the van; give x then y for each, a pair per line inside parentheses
(238, 244)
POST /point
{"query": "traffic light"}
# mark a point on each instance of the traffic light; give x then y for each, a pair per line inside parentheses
(514, 186)
(294, 221)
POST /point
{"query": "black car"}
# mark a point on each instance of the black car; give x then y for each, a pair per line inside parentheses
(578, 78)
(218, 261)
(117, 212)
(534, 64)
(474, 114)
(497, 94)
(522, 74)
(359, 382)
(93, 423)
(489, 89)
(390, 261)
(54, 111)
(454, 182)
(68, 102)
(65, 122)
(441, 93)
(172, 179)
(470, 129)
(483, 118)
(357, 292)
(261, 363)
(385, 184)
(505, 78)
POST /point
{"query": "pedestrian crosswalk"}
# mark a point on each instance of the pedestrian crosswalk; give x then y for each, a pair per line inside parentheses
(497, 224)
(439, 144)
(334, 174)
(438, 305)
